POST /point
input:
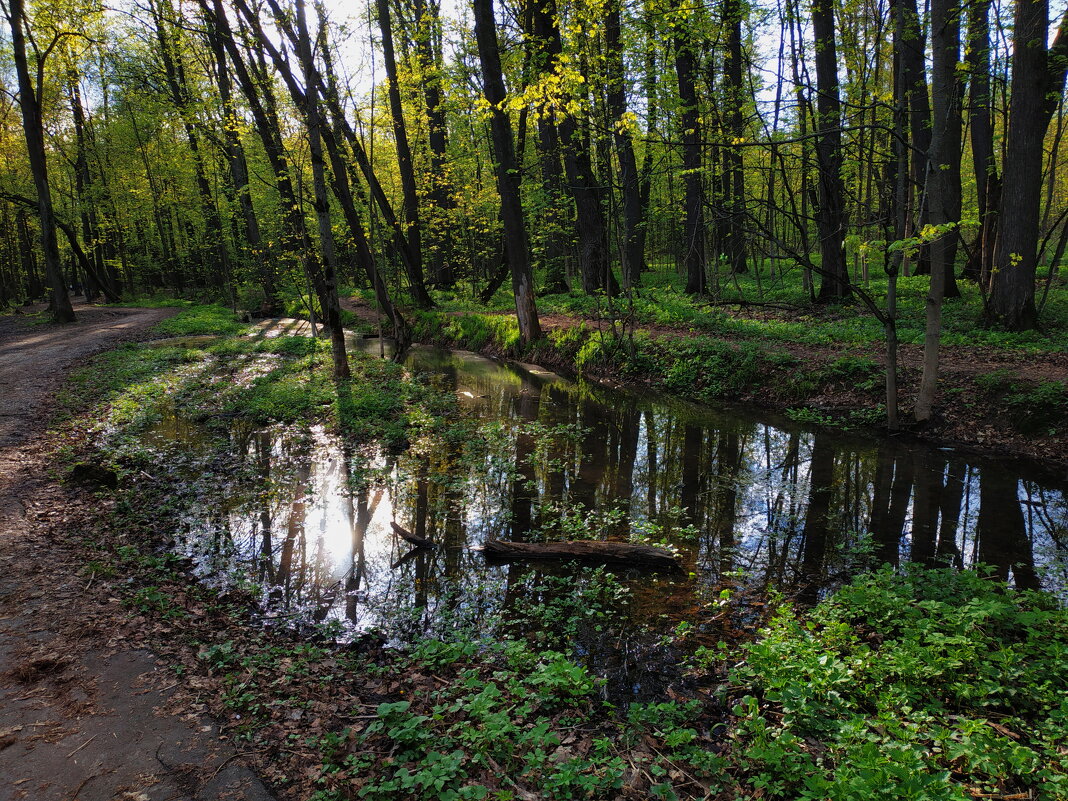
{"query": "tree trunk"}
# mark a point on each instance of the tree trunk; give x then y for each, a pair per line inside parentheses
(633, 219)
(590, 226)
(943, 186)
(830, 218)
(693, 178)
(913, 46)
(735, 246)
(404, 160)
(1037, 85)
(984, 163)
(216, 266)
(515, 232)
(235, 154)
(426, 35)
(33, 129)
(343, 178)
(332, 309)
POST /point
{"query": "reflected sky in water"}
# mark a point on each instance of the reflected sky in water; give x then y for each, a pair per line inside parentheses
(750, 500)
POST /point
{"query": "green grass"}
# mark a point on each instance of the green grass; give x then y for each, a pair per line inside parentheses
(200, 320)
(661, 301)
(283, 379)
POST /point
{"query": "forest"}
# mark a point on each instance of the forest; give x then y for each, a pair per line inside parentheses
(529, 399)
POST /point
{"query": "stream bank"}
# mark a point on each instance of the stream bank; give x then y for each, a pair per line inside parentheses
(993, 402)
(221, 441)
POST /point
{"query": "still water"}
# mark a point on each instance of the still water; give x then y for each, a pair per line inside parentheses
(751, 501)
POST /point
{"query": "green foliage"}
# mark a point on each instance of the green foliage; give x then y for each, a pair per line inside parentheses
(918, 685)
(1043, 407)
(861, 371)
(136, 372)
(999, 380)
(1033, 408)
(197, 320)
(498, 717)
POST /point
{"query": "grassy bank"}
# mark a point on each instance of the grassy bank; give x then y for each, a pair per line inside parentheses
(923, 684)
(1004, 401)
(770, 308)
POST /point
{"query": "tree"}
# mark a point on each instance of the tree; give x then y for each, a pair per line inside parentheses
(515, 232)
(1037, 85)
(313, 120)
(830, 218)
(690, 123)
(33, 126)
(633, 250)
(404, 159)
(944, 183)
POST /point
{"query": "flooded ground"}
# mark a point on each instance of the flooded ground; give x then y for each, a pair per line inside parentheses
(750, 501)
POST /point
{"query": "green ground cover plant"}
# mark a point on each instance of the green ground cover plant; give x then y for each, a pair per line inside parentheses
(787, 314)
(915, 683)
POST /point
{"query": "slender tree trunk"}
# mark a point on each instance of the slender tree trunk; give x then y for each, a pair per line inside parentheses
(590, 226)
(944, 192)
(515, 232)
(441, 250)
(633, 218)
(235, 154)
(343, 178)
(96, 270)
(312, 117)
(943, 186)
(981, 125)
(733, 172)
(261, 102)
(33, 129)
(216, 267)
(831, 218)
(693, 178)
(913, 46)
(404, 159)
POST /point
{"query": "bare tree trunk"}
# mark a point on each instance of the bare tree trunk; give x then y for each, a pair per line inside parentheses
(404, 159)
(216, 258)
(332, 309)
(343, 174)
(515, 232)
(830, 219)
(944, 187)
(984, 162)
(633, 217)
(1037, 85)
(734, 177)
(33, 128)
(693, 179)
(235, 154)
(913, 46)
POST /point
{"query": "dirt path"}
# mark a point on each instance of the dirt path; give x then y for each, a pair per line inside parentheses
(80, 705)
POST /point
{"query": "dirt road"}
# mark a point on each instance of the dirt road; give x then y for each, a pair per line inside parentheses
(80, 705)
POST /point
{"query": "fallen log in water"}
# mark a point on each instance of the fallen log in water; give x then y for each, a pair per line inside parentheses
(414, 539)
(585, 551)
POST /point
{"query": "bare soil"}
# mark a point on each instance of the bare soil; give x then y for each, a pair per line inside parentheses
(81, 702)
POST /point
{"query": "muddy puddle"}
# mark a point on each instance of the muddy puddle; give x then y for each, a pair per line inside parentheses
(750, 501)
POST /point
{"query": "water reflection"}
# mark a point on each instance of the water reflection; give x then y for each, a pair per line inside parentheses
(749, 500)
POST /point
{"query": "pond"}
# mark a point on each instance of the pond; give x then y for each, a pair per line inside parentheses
(754, 503)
